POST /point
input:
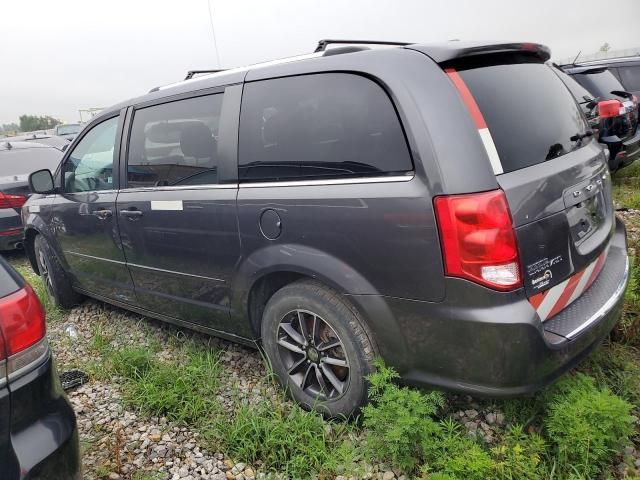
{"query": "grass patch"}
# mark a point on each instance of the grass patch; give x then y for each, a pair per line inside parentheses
(184, 391)
(586, 426)
(285, 440)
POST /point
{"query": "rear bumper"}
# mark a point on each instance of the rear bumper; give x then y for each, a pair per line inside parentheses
(11, 242)
(10, 220)
(44, 435)
(487, 343)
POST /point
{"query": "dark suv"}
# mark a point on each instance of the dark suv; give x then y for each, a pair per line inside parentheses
(438, 206)
(612, 113)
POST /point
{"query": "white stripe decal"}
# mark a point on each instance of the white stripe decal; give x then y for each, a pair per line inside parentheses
(550, 300)
(173, 205)
(583, 282)
(490, 147)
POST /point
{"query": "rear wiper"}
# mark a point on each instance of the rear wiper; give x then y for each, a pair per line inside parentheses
(579, 136)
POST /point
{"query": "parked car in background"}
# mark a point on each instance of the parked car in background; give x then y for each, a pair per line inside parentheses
(626, 69)
(613, 112)
(440, 206)
(68, 131)
(17, 161)
(43, 138)
(38, 433)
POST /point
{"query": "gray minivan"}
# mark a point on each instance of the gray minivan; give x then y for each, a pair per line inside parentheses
(438, 206)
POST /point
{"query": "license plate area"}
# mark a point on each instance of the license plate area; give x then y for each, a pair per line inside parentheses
(585, 209)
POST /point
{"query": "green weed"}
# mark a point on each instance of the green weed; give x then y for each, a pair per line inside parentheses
(399, 419)
(585, 425)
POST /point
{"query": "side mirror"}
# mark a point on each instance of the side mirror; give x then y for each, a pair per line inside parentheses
(41, 181)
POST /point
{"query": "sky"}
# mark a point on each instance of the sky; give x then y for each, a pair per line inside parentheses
(61, 56)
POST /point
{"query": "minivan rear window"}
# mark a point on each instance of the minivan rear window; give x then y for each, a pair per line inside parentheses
(529, 112)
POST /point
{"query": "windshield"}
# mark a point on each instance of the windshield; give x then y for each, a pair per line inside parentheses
(68, 129)
(529, 112)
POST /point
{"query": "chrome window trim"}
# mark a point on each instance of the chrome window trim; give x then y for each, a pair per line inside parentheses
(337, 181)
(208, 186)
(111, 190)
(608, 305)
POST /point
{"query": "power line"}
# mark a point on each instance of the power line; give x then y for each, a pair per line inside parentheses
(213, 33)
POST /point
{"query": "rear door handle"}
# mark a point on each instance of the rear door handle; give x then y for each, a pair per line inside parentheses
(103, 213)
(131, 214)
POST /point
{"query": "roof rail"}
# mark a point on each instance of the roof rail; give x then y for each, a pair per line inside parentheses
(192, 73)
(322, 44)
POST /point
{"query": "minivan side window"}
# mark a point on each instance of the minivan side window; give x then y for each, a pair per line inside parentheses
(175, 143)
(319, 126)
(89, 167)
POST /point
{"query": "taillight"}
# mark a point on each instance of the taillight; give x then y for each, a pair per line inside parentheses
(609, 108)
(478, 240)
(8, 200)
(22, 329)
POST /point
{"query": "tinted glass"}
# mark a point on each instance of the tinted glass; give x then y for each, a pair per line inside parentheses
(175, 143)
(600, 84)
(630, 77)
(89, 167)
(319, 126)
(529, 111)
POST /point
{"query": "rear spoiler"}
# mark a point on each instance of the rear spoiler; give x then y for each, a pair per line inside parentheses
(454, 50)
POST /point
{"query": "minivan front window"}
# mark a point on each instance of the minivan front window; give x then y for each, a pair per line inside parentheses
(529, 112)
(89, 167)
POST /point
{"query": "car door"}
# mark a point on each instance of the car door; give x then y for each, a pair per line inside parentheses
(177, 210)
(82, 217)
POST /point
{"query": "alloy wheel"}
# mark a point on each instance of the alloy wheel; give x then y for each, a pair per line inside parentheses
(313, 355)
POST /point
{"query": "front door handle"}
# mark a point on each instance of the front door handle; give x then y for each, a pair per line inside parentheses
(103, 213)
(131, 214)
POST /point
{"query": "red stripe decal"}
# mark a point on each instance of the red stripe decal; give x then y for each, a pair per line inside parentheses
(566, 294)
(467, 98)
(537, 299)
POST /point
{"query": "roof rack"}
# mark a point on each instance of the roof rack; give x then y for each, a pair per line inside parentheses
(192, 73)
(322, 44)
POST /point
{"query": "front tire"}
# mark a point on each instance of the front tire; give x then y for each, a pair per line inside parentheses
(57, 284)
(318, 348)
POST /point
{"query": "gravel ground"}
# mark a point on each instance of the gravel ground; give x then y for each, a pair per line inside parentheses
(118, 442)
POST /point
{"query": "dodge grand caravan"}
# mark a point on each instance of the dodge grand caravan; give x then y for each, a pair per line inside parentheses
(439, 206)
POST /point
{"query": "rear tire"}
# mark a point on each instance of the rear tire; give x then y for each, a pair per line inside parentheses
(56, 281)
(318, 348)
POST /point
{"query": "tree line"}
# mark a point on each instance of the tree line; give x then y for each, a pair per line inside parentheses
(29, 123)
